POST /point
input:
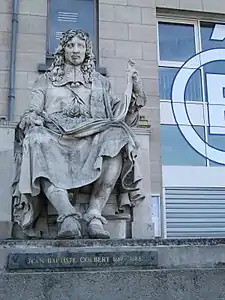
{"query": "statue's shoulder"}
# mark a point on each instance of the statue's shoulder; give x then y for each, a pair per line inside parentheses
(41, 80)
(104, 80)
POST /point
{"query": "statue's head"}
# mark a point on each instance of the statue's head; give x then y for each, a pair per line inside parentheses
(75, 48)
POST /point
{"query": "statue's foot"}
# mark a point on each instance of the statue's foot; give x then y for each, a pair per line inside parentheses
(70, 229)
(97, 231)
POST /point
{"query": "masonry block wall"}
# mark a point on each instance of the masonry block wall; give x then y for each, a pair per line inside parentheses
(5, 31)
(128, 30)
(31, 50)
(207, 6)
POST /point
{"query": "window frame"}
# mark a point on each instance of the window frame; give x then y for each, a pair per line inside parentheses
(176, 64)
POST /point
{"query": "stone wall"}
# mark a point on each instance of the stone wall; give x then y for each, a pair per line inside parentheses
(31, 50)
(207, 6)
(128, 29)
(5, 28)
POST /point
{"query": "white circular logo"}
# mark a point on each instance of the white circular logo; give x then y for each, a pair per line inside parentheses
(180, 113)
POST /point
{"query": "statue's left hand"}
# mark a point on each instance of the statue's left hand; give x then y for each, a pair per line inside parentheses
(133, 77)
(132, 74)
(31, 119)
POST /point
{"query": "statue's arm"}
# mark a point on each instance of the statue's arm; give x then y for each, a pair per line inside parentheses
(138, 100)
(38, 91)
(32, 115)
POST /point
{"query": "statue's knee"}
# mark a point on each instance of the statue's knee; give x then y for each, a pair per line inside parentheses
(40, 139)
(115, 161)
(49, 188)
(114, 165)
(107, 184)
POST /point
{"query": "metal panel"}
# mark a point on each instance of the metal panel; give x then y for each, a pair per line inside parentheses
(195, 212)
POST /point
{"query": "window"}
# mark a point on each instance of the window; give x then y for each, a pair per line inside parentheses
(193, 123)
(176, 41)
(176, 150)
(70, 14)
(166, 79)
(206, 31)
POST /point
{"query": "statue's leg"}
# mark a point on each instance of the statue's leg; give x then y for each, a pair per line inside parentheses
(70, 227)
(101, 192)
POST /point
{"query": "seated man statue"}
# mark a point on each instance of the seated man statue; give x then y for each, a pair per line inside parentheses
(75, 133)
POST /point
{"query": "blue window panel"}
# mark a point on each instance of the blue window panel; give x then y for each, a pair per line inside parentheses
(69, 14)
(217, 141)
(213, 164)
(176, 41)
(206, 33)
(175, 149)
(166, 79)
(215, 67)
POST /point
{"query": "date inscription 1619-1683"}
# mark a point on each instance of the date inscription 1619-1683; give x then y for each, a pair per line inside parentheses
(81, 259)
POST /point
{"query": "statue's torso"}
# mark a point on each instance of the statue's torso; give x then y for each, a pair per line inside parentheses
(59, 98)
(73, 90)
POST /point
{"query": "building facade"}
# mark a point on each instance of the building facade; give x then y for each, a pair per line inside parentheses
(178, 46)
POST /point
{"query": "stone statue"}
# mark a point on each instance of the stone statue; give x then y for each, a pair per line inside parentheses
(75, 133)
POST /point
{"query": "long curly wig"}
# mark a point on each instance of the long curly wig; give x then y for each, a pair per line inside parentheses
(56, 71)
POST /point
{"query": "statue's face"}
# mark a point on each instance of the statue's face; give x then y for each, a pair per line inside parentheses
(75, 51)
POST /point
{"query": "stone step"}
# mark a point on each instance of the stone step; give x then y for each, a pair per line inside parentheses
(201, 284)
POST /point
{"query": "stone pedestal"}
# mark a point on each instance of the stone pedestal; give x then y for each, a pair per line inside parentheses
(151, 269)
(6, 164)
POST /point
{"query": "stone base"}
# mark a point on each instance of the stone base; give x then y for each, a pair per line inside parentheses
(133, 285)
(5, 229)
(186, 269)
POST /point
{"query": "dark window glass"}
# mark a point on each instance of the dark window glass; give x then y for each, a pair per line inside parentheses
(69, 14)
(206, 34)
(166, 79)
(215, 67)
(217, 140)
(176, 41)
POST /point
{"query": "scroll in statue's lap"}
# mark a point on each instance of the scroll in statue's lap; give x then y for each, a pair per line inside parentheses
(67, 162)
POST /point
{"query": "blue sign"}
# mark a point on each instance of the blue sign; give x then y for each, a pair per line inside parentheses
(69, 14)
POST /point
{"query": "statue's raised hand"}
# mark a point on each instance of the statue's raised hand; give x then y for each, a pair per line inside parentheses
(132, 73)
(133, 77)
